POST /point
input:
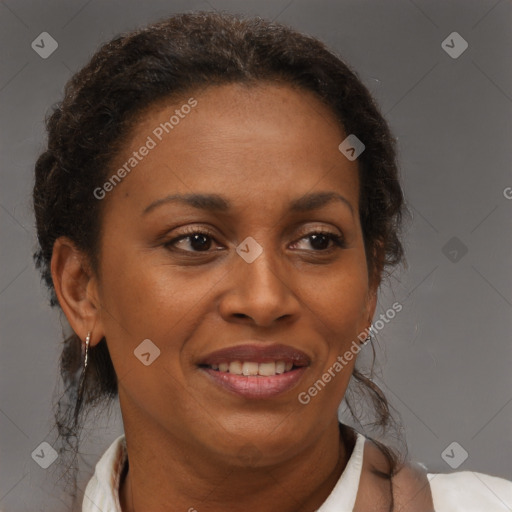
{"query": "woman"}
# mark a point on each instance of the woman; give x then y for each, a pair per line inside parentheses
(217, 206)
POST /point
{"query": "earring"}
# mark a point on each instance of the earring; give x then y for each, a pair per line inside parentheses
(370, 336)
(85, 351)
(86, 357)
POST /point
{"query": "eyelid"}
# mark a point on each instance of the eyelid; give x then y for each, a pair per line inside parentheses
(184, 230)
(321, 228)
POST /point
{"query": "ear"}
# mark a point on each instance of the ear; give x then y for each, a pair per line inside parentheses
(77, 289)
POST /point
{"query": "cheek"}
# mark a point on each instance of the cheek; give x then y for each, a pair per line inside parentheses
(340, 296)
(143, 298)
(339, 306)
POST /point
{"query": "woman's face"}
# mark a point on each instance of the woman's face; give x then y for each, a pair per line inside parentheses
(266, 164)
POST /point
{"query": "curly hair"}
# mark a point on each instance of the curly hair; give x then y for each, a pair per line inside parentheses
(181, 54)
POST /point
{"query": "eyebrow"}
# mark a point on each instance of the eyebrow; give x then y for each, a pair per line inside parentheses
(215, 202)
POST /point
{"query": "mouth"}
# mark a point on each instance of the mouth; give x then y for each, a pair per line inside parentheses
(256, 371)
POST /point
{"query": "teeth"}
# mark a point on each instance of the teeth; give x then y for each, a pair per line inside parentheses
(267, 368)
(249, 368)
(235, 367)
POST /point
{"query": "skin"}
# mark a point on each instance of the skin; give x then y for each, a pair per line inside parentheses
(190, 443)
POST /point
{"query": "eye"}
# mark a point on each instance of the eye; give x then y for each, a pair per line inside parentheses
(320, 240)
(196, 241)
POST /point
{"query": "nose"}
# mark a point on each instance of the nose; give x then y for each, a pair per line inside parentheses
(261, 292)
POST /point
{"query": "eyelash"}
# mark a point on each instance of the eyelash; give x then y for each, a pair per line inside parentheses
(337, 240)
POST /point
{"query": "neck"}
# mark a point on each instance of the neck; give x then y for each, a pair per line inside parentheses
(181, 480)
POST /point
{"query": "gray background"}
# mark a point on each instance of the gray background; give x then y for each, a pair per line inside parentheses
(446, 357)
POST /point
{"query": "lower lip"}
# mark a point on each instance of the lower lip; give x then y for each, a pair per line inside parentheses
(256, 386)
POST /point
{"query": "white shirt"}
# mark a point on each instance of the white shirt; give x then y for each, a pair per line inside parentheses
(464, 491)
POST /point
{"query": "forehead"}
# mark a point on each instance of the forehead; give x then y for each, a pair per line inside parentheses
(264, 143)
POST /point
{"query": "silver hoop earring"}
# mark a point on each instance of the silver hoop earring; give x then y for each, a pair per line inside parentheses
(86, 356)
(370, 336)
(80, 392)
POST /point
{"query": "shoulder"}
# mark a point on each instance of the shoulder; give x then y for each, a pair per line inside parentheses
(416, 490)
(407, 491)
(411, 489)
(470, 491)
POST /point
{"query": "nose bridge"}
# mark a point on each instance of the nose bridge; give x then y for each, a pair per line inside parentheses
(259, 290)
(262, 272)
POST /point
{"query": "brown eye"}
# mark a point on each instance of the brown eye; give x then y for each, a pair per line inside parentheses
(196, 241)
(321, 240)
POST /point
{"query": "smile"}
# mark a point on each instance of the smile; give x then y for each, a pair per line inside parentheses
(256, 371)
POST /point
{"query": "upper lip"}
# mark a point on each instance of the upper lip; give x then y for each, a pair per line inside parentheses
(257, 353)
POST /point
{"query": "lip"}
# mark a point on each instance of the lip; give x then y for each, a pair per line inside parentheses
(256, 387)
(258, 353)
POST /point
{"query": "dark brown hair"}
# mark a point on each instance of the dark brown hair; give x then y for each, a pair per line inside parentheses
(178, 55)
